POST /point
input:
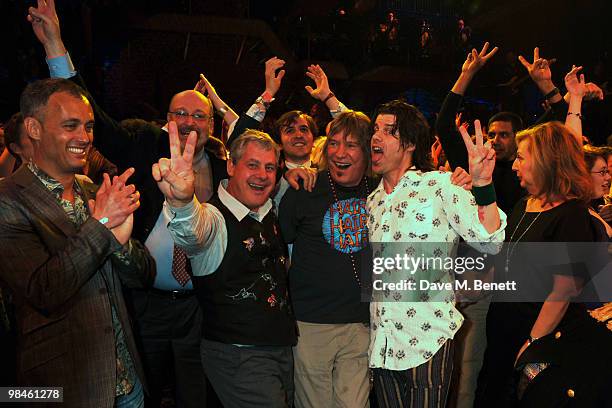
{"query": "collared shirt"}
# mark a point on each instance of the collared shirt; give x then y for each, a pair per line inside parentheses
(78, 213)
(409, 327)
(159, 242)
(199, 228)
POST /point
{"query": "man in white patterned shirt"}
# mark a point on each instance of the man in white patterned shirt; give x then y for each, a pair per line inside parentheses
(412, 330)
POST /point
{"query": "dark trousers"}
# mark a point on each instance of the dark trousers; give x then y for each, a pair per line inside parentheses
(423, 386)
(250, 376)
(169, 334)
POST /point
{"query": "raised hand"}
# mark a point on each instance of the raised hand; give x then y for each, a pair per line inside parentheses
(174, 176)
(316, 73)
(46, 27)
(476, 60)
(204, 86)
(274, 79)
(539, 70)
(481, 157)
(575, 83)
(115, 201)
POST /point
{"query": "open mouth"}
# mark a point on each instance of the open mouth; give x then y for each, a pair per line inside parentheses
(377, 154)
(257, 187)
(342, 165)
(78, 150)
(299, 143)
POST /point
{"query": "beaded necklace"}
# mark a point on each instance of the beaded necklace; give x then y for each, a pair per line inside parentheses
(332, 184)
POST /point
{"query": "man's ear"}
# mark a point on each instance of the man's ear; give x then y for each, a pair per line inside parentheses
(230, 168)
(410, 148)
(33, 128)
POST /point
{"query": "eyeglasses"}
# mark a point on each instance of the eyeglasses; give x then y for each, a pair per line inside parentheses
(602, 172)
(196, 116)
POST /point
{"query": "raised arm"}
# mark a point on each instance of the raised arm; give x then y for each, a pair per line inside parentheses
(541, 75)
(481, 158)
(114, 141)
(257, 112)
(574, 82)
(322, 92)
(205, 87)
(198, 228)
(445, 124)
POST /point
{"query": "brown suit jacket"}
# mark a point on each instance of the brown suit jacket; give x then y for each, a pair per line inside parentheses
(64, 280)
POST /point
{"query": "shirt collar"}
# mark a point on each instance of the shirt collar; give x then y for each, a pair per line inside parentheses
(289, 165)
(237, 208)
(49, 182)
(412, 175)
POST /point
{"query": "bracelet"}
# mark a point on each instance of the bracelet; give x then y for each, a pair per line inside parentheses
(328, 97)
(552, 93)
(484, 195)
(578, 115)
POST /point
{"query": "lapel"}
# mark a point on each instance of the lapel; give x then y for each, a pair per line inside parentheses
(41, 201)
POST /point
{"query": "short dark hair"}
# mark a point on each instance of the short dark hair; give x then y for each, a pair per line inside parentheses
(591, 153)
(288, 118)
(412, 128)
(513, 118)
(13, 129)
(36, 94)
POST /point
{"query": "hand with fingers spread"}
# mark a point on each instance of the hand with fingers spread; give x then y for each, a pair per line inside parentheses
(174, 176)
(574, 82)
(274, 79)
(306, 174)
(46, 26)
(322, 90)
(115, 200)
(481, 157)
(473, 63)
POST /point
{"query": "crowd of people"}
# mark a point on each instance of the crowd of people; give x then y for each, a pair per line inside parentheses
(138, 258)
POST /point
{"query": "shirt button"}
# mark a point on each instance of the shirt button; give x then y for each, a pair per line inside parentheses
(558, 335)
(571, 393)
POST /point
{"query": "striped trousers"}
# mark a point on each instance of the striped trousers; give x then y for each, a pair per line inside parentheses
(423, 386)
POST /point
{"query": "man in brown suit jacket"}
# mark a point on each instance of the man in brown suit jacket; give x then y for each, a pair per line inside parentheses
(65, 257)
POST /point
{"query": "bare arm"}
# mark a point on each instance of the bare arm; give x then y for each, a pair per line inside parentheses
(576, 88)
(205, 87)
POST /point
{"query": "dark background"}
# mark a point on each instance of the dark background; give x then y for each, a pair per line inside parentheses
(136, 54)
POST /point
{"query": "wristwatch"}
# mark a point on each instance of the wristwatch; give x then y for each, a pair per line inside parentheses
(265, 99)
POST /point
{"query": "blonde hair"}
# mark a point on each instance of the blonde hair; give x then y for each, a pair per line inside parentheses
(559, 169)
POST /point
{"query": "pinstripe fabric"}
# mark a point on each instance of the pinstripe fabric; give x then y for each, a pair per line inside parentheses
(63, 279)
(423, 386)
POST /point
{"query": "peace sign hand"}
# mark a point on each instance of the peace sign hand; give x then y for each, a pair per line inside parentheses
(174, 176)
(476, 60)
(481, 157)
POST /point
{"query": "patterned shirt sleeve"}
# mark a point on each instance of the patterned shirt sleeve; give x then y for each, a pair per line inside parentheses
(462, 214)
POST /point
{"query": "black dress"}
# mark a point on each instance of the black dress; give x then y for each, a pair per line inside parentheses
(574, 349)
